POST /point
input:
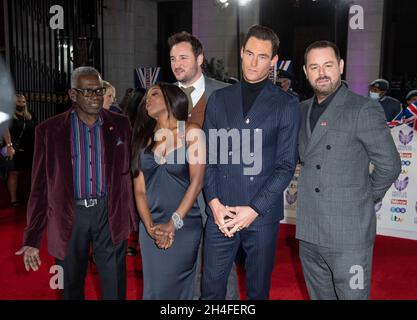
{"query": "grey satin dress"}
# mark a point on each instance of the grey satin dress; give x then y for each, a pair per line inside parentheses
(169, 274)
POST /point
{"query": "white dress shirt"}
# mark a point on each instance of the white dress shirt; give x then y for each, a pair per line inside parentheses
(199, 88)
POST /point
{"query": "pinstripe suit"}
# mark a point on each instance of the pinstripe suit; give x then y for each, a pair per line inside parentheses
(275, 114)
(211, 85)
(336, 220)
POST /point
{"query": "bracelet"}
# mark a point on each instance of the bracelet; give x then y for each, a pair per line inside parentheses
(178, 222)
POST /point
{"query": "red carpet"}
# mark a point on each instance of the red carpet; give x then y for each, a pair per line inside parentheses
(394, 270)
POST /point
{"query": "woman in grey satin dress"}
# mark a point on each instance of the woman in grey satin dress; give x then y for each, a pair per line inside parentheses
(167, 184)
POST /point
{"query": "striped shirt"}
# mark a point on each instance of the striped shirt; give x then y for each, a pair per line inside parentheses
(88, 158)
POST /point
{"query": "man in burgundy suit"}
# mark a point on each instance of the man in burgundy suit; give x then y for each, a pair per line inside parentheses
(81, 191)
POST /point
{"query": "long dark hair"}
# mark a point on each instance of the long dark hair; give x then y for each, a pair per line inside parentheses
(176, 102)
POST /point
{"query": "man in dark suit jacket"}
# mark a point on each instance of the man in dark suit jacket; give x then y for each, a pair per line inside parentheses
(186, 55)
(341, 134)
(249, 193)
(81, 191)
(378, 91)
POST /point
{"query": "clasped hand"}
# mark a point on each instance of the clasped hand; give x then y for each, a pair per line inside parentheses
(232, 219)
(163, 234)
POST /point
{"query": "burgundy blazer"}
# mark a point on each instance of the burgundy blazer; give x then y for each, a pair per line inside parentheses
(51, 202)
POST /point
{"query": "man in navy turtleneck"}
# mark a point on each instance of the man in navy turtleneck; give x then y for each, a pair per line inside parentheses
(245, 197)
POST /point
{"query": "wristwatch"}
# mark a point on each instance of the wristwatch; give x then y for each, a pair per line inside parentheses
(178, 222)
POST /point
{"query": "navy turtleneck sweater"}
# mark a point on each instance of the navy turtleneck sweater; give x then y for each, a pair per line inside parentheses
(250, 91)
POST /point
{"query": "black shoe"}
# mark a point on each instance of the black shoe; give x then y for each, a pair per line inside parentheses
(132, 252)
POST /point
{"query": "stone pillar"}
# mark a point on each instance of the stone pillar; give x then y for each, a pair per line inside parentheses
(364, 50)
(130, 40)
(217, 29)
(6, 33)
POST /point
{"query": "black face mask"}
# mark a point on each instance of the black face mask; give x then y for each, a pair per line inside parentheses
(20, 109)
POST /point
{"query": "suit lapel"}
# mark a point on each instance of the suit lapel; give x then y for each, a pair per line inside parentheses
(307, 120)
(62, 138)
(261, 108)
(326, 120)
(110, 135)
(305, 131)
(208, 90)
(234, 108)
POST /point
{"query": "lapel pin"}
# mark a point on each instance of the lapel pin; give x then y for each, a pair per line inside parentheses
(111, 128)
(323, 123)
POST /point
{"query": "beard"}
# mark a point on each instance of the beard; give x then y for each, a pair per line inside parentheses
(327, 89)
(185, 77)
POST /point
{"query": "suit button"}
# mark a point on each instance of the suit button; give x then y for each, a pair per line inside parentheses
(251, 154)
(302, 163)
(318, 167)
(225, 177)
(328, 147)
(317, 190)
(230, 153)
(251, 178)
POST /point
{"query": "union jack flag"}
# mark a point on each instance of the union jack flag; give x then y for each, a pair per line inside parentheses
(406, 116)
(146, 77)
(285, 65)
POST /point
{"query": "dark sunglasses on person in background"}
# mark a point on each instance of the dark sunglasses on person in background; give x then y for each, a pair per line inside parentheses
(89, 92)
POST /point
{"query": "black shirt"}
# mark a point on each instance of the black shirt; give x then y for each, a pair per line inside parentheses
(250, 91)
(319, 108)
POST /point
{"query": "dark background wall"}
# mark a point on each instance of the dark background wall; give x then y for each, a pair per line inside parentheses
(2, 35)
(173, 16)
(400, 46)
(299, 23)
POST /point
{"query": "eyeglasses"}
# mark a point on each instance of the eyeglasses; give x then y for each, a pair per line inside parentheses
(89, 92)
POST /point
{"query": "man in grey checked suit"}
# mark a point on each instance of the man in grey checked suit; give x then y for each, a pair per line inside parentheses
(341, 134)
(186, 55)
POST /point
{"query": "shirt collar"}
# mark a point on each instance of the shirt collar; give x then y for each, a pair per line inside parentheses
(198, 85)
(328, 100)
(99, 120)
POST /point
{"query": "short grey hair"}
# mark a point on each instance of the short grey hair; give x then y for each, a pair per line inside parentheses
(84, 71)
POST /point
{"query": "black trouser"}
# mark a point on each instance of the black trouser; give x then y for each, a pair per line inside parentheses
(91, 226)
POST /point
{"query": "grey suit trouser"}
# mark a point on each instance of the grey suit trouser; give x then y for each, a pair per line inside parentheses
(232, 292)
(335, 273)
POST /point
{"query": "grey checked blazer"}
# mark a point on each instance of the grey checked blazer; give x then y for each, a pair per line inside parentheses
(336, 192)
